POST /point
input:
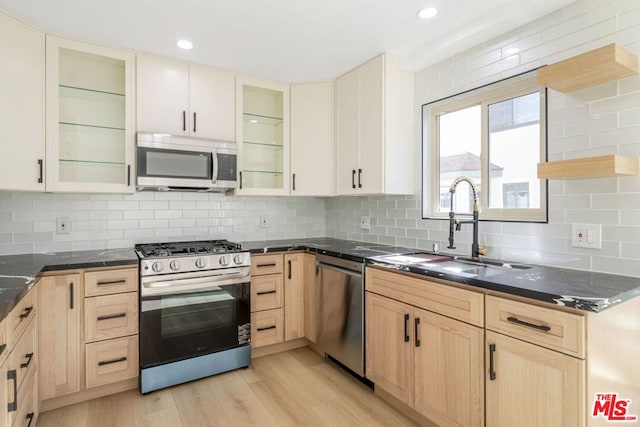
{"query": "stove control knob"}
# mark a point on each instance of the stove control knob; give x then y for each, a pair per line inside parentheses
(157, 266)
(174, 265)
(201, 263)
(238, 259)
(224, 261)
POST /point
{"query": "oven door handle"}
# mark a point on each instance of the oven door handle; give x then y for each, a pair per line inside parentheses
(177, 286)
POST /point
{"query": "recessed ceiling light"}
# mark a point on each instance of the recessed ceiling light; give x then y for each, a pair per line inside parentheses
(184, 44)
(427, 12)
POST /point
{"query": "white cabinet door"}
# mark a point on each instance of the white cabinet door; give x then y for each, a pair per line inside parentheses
(163, 96)
(21, 106)
(371, 105)
(312, 139)
(211, 102)
(347, 132)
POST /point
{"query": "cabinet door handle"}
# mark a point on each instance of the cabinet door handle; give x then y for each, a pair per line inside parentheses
(109, 362)
(266, 328)
(293, 179)
(40, 178)
(71, 298)
(359, 177)
(517, 321)
(112, 282)
(27, 311)
(417, 335)
(241, 180)
(26, 364)
(492, 370)
(184, 120)
(3, 347)
(406, 327)
(30, 416)
(128, 175)
(111, 316)
(271, 264)
(194, 121)
(353, 178)
(13, 375)
(266, 292)
(289, 275)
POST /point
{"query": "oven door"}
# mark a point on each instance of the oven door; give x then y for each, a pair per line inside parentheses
(183, 318)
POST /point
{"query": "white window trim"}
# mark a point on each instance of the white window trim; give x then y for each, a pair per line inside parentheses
(500, 91)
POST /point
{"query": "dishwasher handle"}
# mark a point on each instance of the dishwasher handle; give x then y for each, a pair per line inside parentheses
(338, 269)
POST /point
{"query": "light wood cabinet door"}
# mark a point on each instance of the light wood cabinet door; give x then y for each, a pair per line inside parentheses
(293, 296)
(111, 361)
(110, 316)
(389, 344)
(347, 132)
(311, 298)
(312, 139)
(211, 104)
(266, 292)
(532, 386)
(448, 370)
(267, 327)
(21, 106)
(59, 325)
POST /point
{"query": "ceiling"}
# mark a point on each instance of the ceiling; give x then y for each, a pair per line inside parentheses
(288, 40)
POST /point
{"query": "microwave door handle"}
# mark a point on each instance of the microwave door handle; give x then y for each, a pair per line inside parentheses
(214, 166)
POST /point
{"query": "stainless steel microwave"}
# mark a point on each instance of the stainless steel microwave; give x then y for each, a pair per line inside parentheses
(168, 162)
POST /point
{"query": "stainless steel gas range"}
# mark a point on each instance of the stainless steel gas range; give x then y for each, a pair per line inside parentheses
(194, 311)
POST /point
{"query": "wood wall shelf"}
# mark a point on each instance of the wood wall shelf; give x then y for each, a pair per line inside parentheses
(589, 69)
(589, 167)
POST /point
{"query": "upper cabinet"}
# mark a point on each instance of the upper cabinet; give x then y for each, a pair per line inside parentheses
(374, 129)
(90, 132)
(21, 107)
(182, 99)
(312, 139)
(262, 130)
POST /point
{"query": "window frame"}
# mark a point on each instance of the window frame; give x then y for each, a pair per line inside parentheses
(484, 96)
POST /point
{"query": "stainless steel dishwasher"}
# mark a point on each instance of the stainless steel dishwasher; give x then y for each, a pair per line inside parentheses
(340, 305)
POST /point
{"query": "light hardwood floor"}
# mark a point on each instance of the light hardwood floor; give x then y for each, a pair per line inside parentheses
(294, 388)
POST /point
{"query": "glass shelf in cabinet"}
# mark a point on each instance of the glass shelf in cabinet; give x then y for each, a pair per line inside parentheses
(85, 89)
(90, 126)
(264, 145)
(96, 162)
(263, 171)
(257, 119)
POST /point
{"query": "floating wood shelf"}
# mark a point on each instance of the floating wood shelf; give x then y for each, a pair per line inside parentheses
(589, 167)
(589, 69)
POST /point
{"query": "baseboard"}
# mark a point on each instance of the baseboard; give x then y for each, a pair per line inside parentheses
(84, 395)
(278, 348)
(404, 408)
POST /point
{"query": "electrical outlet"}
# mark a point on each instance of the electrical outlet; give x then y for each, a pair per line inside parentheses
(365, 222)
(264, 222)
(586, 236)
(63, 226)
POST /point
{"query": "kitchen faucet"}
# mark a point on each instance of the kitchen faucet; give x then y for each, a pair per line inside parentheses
(475, 248)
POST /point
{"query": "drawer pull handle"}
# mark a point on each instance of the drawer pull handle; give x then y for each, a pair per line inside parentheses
(13, 375)
(492, 370)
(289, 275)
(71, 297)
(266, 292)
(417, 335)
(109, 362)
(517, 321)
(271, 264)
(29, 357)
(112, 316)
(3, 347)
(27, 311)
(112, 282)
(406, 327)
(30, 416)
(266, 328)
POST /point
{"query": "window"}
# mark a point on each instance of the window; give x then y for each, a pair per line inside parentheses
(494, 135)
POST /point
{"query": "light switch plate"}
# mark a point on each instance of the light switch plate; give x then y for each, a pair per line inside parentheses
(586, 235)
(365, 222)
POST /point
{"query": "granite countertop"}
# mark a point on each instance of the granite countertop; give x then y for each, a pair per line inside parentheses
(18, 273)
(584, 290)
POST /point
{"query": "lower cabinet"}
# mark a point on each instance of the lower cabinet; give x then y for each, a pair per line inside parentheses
(430, 362)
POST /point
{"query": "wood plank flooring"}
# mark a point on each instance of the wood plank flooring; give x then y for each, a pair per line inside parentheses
(293, 388)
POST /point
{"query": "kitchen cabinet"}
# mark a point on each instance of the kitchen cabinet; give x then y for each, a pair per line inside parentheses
(182, 99)
(312, 139)
(431, 362)
(59, 327)
(267, 300)
(294, 283)
(374, 129)
(89, 118)
(21, 106)
(262, 131)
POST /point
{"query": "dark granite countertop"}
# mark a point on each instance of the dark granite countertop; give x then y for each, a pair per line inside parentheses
(18, 272)
(584, 290)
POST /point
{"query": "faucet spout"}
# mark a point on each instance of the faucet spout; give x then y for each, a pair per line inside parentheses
(454, 223)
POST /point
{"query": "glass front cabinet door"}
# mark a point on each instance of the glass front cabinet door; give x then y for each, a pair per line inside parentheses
(262, 129)
(90, 128)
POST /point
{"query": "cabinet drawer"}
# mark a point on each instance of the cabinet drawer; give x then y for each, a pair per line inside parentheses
(449, 301)
(266, 264)
(554, 329)
(266, 292)
(110, 316)
(23, 357)
(4, 339)
(107, 282)
(111, 361)
(20, 316)
(267, 327)
(26, 408)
